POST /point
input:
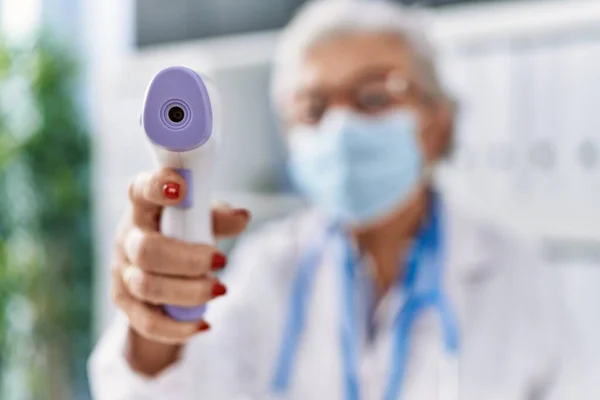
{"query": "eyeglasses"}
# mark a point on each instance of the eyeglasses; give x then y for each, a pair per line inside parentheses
(373, 94)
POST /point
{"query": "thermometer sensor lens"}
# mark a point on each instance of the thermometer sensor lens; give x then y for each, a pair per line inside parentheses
(176, 114)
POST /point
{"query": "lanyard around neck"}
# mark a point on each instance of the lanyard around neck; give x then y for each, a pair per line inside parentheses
(422, 286)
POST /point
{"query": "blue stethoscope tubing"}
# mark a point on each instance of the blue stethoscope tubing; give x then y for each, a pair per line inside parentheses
(422, 286)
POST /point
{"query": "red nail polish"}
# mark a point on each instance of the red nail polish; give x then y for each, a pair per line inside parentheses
(219, 289)
(203, 326)
(171, 190)
(218, 261)
(242, 212)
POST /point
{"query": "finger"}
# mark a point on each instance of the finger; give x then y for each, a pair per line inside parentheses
(161, 255)
(157, 289)
(118, 290)
(159, 188)
(146, 199)
(229, 221)
(149, 320)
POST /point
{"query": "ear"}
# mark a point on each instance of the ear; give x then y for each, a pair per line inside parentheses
(437, 130)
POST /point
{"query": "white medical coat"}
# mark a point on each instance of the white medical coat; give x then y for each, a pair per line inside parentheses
(499, 289)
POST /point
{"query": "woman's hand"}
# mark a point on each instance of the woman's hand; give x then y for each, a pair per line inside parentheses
(150, 270)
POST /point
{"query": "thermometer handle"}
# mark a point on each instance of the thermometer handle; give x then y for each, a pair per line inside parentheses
(191, 221)
(185, 141)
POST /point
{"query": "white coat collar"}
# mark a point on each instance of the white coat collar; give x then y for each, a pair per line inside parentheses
(468, 243)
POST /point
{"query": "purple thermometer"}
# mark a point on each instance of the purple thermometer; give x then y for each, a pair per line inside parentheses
(179, 119)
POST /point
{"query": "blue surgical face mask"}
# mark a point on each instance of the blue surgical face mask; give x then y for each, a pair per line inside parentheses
(357, 168)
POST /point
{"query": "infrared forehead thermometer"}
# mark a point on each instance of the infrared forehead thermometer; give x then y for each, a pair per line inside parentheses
(180, 121)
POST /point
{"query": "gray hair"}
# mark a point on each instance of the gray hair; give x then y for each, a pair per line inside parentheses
(319, 20)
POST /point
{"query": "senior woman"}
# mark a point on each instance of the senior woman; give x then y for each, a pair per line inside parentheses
(385, 289)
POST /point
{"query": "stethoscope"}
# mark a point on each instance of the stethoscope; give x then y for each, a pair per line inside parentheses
(422, 288)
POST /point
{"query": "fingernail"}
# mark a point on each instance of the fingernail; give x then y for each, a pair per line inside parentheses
(131, 276)
(218, 261)
(203, 326)
(222, 205)
(242, 212)
(219, 289)
(171, 190)
(132, 243)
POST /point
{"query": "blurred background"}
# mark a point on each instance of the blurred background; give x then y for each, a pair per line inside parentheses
(72, 78)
